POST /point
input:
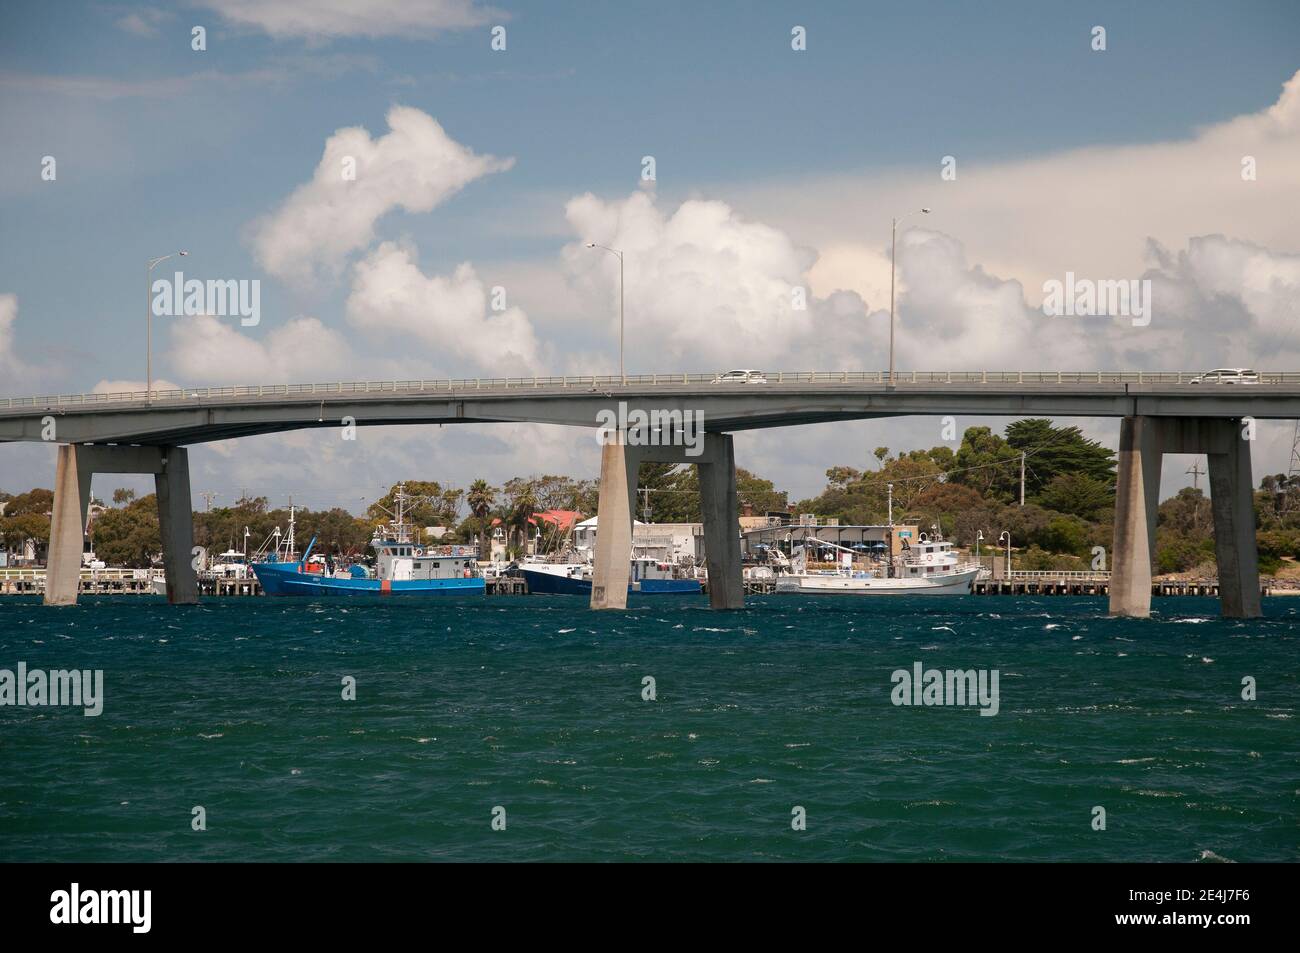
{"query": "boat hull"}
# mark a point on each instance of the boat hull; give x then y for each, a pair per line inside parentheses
(287, 579)
(549, 583)
(956, 584)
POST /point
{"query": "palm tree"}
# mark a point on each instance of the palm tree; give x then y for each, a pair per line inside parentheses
(525, 504)
(480, 498)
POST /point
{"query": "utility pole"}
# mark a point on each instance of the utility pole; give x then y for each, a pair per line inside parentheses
(893, 255)
(1196, 471)
(1022, 478)
(208, 497)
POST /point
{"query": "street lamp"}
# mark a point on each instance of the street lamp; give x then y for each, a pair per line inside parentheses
(1007, 534)
(979, 536)
(615, 251)
(893, 250)
(148, 340)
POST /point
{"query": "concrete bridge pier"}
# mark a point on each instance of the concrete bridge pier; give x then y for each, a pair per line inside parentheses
(76, 465)
(1143, 441)
(721, 510)
(1232, 499)
(619, 463)
(1137, 495)
(611, 570)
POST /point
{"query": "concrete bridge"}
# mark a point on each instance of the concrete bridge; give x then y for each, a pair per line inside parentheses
(1162, 413)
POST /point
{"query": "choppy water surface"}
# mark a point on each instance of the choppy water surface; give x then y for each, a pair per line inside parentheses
(535, 704)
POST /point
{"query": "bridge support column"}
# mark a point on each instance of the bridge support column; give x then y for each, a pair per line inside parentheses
(76, 465)
(176, 525)
(1142, 441)
(721, 510)
(67, 528)
(1137, 497)
(619, 463)
(611, 569)
(1233, 504)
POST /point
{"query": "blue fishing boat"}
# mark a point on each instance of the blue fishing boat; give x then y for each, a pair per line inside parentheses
(401, 567)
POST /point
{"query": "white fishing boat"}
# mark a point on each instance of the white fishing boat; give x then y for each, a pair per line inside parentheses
(929, 568)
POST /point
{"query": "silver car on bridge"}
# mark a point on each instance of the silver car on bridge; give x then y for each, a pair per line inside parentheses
(1227, 375)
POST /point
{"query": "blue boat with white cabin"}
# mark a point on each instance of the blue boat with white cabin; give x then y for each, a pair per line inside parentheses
(402, 567)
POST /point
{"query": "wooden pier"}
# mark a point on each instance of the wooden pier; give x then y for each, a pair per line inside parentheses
(31, 582)
(1076, 583)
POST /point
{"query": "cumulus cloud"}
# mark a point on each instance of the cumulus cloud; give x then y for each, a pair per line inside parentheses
(1091, 210)
(416, 166)
(10, 366)
(208, 350)
(1226, 301)
(327, 19)
(706, 287)
(449, 315)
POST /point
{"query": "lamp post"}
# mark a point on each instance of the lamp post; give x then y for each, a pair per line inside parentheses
(615, 251)
(893, 251)
(148, 312)
(1007, 535)
(979, 536)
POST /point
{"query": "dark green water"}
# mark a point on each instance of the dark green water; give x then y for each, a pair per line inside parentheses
(534, 704)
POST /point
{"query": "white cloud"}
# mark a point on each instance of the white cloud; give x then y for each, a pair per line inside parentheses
(1090, 211)
(451, 316)
(416, 166)
(9, 363)
(323, 19)
(18, 377)
(144, 21)
(705, 283)
(706, 288)
(125, 386)
(208, 350)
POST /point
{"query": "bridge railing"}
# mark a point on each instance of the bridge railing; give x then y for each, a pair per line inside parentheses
(597, 382)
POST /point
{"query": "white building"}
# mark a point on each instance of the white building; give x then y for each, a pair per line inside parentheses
(668, 542)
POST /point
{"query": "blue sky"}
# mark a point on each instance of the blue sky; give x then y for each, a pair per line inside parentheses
(160, 147)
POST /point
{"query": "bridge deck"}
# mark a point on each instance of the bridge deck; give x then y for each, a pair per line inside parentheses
(194, 415)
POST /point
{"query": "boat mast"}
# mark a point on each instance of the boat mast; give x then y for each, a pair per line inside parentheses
(401, 513)
(889, 556)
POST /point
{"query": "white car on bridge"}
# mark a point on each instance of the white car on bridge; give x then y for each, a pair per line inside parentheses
(741, 377)
(1228, 375)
